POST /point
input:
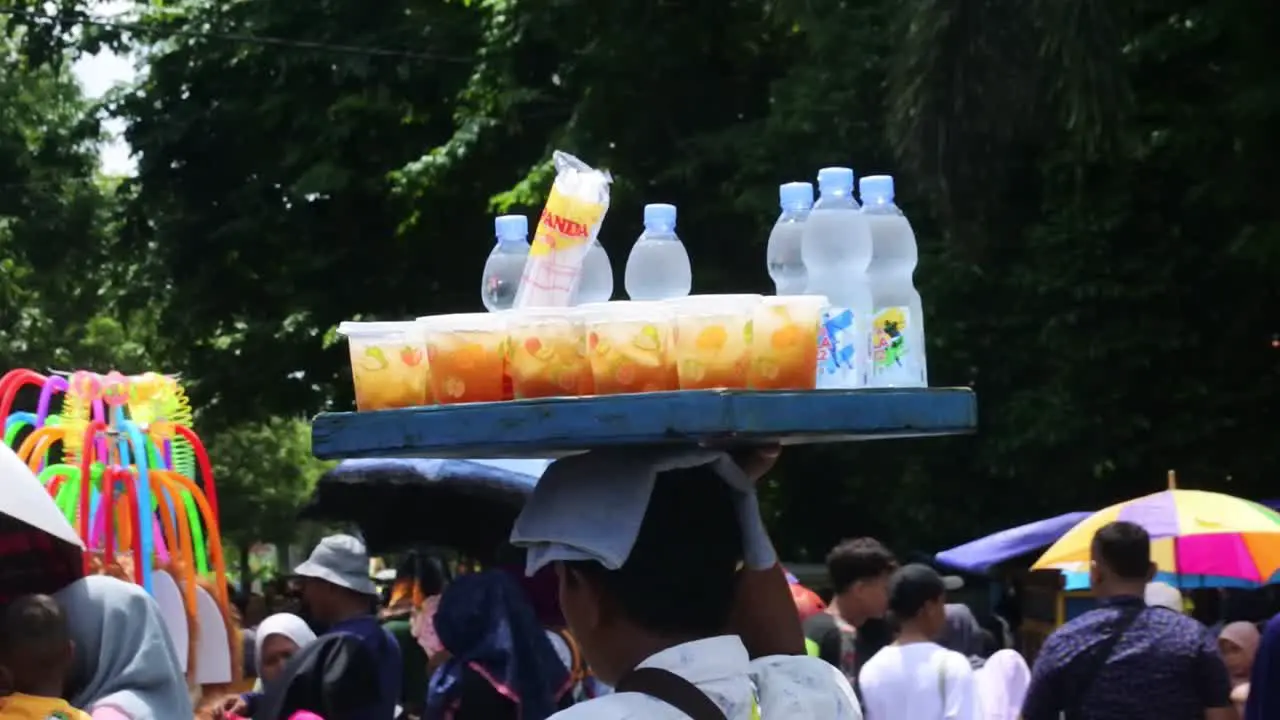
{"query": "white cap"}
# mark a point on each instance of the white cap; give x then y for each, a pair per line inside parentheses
(1163, 595)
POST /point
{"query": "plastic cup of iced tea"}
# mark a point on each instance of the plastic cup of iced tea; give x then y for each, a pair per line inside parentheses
(546, 353)
(629, 346)
(389, 366)
(467, 355)
(712, 340)
(784, 342)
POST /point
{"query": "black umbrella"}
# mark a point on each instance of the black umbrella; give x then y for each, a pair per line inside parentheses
(468, 505)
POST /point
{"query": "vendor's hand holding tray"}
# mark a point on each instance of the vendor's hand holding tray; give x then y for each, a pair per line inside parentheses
(555, 427)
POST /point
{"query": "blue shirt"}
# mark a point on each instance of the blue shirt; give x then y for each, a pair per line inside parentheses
(1165, 667)
(384, 647)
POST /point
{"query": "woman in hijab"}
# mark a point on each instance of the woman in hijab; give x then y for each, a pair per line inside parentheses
(333, 678)
(1264, 681)
(125, 666)
(278, 639)
(1238, 644)
(1002, 684)
(542, 590)
(502, 664)
(963, 634)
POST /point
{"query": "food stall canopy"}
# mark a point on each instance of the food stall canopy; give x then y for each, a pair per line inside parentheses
(982, 554)
(468, 505)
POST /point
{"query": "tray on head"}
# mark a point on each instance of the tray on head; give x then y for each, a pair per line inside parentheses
(554, 427)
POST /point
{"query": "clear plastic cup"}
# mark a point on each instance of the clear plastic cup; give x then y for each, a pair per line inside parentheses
(629, 346)
(467, 354)
(546, 353)
(712, 340)
(389, 366)
(784, 342)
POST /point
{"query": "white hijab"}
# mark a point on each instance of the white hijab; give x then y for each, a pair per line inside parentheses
(124, 657)
(286, 624)
(1002, 685)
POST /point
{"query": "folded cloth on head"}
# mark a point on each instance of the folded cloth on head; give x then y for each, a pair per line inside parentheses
(591, 506)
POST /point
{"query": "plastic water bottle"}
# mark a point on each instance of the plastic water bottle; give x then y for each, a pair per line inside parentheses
(505, 265)
(897, 319)
(596, 283)
(836, 248)
(658, 267)
(786, 267)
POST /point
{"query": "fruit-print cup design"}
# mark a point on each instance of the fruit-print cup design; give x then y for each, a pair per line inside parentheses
(546, 354)
(467, 355)
(389, 367)
(784, 347)
(629, 346)
(712, 341)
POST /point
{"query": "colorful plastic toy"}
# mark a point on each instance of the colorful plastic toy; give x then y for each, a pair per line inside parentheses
(122, 463)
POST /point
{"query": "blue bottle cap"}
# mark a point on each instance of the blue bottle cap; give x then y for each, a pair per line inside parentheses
(876, 187)
(835, 178)
(659, 216)
(511, 227)
(796, 196)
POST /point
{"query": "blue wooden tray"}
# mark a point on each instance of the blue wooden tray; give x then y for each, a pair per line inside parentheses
(554, 427)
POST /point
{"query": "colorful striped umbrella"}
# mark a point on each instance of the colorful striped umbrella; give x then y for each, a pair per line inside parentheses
(1199, 539)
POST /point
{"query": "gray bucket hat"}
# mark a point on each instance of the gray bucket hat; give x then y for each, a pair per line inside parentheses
(340, 560)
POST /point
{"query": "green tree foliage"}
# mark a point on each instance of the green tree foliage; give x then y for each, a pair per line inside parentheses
(61, 273)
(264, 473)
(1090, 184)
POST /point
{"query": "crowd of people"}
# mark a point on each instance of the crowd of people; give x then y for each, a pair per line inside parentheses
(672, 605)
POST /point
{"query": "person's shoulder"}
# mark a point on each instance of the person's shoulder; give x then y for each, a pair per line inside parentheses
(798, 683)
(792, 664)
(887, 656)
(619, 706)
(103, 712)
(1182, 623)
(1086, 620)
(819, 624)
(808, 671)
(1082, 625)
(1181, 630)
(956, 664)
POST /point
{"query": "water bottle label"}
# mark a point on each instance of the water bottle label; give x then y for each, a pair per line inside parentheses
(892, 357)
(837, 346)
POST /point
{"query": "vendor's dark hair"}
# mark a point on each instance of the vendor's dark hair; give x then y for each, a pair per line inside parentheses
(680, 578)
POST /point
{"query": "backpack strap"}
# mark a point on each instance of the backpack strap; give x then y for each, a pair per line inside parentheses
(1097, 660)
(673, 690)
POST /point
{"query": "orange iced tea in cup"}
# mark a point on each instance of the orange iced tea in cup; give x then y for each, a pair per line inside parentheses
(546, 353)
(389, 365)
(784, 342)
(713, 340)
(467, 354)
(629, 346)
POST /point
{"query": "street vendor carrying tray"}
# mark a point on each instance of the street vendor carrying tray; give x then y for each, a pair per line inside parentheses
(671, 586)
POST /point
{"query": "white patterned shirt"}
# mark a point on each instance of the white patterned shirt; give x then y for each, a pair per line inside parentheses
(778, 687)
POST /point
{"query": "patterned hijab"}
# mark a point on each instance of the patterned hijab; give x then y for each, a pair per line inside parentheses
(487, 625)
